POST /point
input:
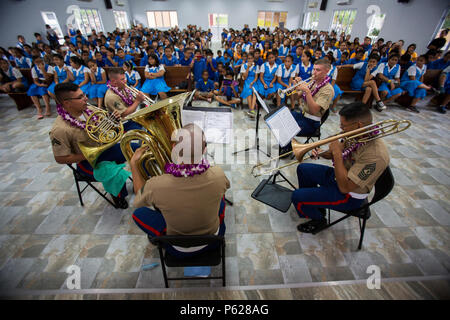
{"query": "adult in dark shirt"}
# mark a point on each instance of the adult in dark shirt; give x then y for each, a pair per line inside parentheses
(438, 43)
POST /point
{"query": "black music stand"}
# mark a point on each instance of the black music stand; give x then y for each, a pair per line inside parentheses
(256, 146)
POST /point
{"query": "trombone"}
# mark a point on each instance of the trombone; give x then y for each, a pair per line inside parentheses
(291, 90)
(362, 135)
(135, 92)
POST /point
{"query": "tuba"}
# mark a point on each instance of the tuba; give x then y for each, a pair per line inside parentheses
(161, 120)
(103, 128)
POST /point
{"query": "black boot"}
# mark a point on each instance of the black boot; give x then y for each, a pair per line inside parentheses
(120, 203)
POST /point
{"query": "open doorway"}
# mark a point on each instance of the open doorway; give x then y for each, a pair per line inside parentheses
(443, 24)
(217, 22)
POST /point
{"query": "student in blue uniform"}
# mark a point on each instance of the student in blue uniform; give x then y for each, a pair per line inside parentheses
(21, 61)
(297, 55)
(440, 64)
(283, 50)
(154, 74)
(267, 77)
(364, 79)
(337, 91)
(199, 65)
(305, 68)
(205, 88)
(98, 86)
(169, 59)
(40, 72)
(444, 88)
(79, 74)
(285, 74)
(60, 74)
(237, 63)
(389, 73)
(133, 77)
(228, 93)
(187, 58)
(249, 73)
(359, 57)
(11, 78)
(121, 57)
(412, 82)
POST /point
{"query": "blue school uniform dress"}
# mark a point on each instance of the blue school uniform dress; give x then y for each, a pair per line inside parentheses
(98, 90)
(285, 74)
(268, 75)
(390, 74)
(14, 74)
(35, 90)
(199, 66)
(283, 51)
(252, 73)
(446, 71)
(73, 36)
(411, 86)
(144, 60)
(358, 78)
(333, 75)
(61, 74)
(303, 71)
(185, 62)
(67, 57)
(153, 86)
(296, 60)
(78, 74)
(439, 64)
(169, 63)
(210, 70)
(23, 63)
(203, 86)
(132, 77)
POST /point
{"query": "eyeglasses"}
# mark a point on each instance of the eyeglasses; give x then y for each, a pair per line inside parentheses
(77, 98)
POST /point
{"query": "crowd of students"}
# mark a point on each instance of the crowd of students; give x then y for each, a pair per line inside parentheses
(265, 61)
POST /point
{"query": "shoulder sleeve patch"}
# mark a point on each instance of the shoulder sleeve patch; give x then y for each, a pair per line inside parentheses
(367, 171)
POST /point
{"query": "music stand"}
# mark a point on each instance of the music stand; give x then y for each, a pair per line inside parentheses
(256, 146)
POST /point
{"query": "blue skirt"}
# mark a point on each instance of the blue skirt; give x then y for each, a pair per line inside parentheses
(97, 91)
(35, 90)
(153, 86)
(84, 88)
(269, 90)
(384, 87)
(357, 83)
(337, 91)
(248, 91)
(411, 86)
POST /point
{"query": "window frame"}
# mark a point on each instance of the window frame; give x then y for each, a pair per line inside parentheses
(343, 12)
(308, 19)
(55, 27)
(121, 19)
(272, 19)
(176, 24)
(371, 27)
(82, 16)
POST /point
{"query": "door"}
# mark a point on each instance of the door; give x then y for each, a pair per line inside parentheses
(217, 22)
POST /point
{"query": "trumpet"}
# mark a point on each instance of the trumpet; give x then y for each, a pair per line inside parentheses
(290, 90)
(135, 92)
(362, 135)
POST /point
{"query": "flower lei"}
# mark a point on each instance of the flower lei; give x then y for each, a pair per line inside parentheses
(127, 99)
(186, 170)
(72, 121)
(317, 88)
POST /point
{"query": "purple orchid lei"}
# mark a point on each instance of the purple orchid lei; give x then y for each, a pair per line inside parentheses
(317, 88)
(127, 99)
(72, 121)
(186, 170)
(347, 152)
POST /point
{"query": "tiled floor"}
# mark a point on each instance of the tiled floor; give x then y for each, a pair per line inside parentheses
(44, 230)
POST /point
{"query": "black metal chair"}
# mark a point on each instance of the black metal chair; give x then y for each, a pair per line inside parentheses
(82, 178)
(317, 133)
(383, 187)
(212, 257)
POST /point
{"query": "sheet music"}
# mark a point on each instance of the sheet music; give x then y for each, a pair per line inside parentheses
(261, 101)
(283, 126)
(196, 117)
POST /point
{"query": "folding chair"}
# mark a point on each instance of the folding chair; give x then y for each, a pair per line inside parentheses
(317, 133)
(383, 187)
(212, 257)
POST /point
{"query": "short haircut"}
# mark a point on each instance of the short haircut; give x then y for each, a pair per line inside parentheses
(375, 56)
(62, 90)
(324, 63)
(356, 111)
(112, 73)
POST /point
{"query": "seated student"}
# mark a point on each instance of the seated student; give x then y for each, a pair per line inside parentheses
(159, 52)
(440, 64)
(412, 82)
(154, 75)
(99, 59)
(364, 79)
(318, 54)
(238, 63)
(187, 57)
(411, 50)
(110, 60)
(121, 57)
(305, 68)
(283, 50)
(285, 74)
(267, 77)
(27, 51)
(219, 56)
(226, 59)
(278, 61)
(79, 74)
(266, 50)
(405, 63)
(228, 93)
(211, 64)
(199, 64)
(168, 59)
(98, 86)
(21, 61)
(389, 73)
(359, 57)
(40, 73)
(72, 52)
(228, 50)
(343, 60)
(332, 74)
(133, 77)
(249, 73)
(205, 88)
(85, 57)
(258, 60)
(342, 49)
(11, 78)
(298, 54)
(60, 74)
(444, 88)
(199, 206)
(327, 47)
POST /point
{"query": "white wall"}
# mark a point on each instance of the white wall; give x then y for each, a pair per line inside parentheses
(24, 17)
(239, 12)
(414, 22)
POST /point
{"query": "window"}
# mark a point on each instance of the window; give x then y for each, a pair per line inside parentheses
(162, 19)
(121, 19)
(376, 24)
(343, 21)
(88, 20)
(311, 21)
(218, 20)
(271, 19)
(50, 19)
(443, 24)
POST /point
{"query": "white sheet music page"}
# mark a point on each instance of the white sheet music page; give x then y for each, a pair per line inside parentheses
(196, 117)
(283, 126)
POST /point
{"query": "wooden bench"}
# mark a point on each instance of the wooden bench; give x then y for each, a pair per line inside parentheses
(21, 99)
(343, 80)
(429, 78)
